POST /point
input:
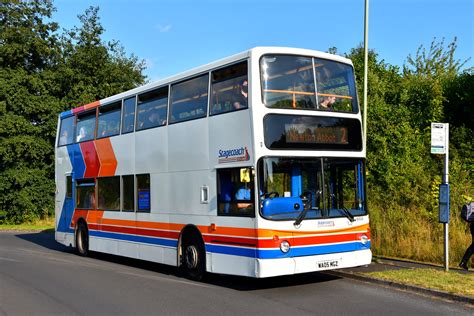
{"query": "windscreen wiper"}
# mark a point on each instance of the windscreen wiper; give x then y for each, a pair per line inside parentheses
(301, 217)
(306, 198)
(348, 214)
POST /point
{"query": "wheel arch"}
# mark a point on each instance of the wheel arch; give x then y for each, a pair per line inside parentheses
(189, 231)
(79, 221)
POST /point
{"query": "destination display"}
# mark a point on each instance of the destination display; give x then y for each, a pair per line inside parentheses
(302, 133)
(312, 133)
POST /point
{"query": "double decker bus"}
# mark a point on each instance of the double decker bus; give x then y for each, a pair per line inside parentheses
(252, 165)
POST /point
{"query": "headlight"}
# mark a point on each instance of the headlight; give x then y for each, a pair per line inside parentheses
(284, 246)
(364, 239)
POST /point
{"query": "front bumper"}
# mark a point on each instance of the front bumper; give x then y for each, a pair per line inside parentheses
(284, 266)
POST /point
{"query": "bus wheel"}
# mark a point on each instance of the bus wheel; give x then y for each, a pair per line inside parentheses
(193, 259)
(82, 239)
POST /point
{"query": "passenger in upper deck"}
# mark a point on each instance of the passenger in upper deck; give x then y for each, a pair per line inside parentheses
(64, 139)
(81, 135)
(111, 129)
(240, 101)
(327, 102)
(153, 120)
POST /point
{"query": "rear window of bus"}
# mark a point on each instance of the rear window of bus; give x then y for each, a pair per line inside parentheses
(66, 132)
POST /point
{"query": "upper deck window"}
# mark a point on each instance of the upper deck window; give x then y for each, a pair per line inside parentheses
(297, 82)
(288, 82)
(109, 120)
(229, 89)
(152, 108)
(335, 86)
(189, 99)
(85, 127)
(128, 119)
(66, 133)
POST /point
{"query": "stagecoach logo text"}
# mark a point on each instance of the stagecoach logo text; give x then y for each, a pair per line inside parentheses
(233, 155)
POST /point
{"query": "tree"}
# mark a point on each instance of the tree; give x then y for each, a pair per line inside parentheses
(95, 69)
(42, 74)
(28, 54)
(403, 177)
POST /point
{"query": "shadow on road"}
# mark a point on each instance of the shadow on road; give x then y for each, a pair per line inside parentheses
(251, 284)
(47, 240)
(44, 239)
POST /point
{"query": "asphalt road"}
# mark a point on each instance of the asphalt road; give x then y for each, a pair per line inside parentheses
(39, 276)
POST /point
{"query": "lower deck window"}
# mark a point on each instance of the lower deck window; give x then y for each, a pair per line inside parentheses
(128, 189)
(143, 193)
(235, 192)
(109, 193)
(69, 187)
(85, 194)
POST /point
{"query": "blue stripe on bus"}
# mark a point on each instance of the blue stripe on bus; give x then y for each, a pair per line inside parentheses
(226, 250)
(312, 250)
(243, 252)
(77, 161)
(66, 114)
(294, 252)
(66, 216)
(134, 238)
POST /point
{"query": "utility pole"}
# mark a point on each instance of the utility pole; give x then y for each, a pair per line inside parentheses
(366, 59)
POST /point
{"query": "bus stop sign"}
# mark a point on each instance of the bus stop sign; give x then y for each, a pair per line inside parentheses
(439, 138)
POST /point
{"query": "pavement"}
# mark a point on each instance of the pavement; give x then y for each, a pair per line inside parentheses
(385, 264)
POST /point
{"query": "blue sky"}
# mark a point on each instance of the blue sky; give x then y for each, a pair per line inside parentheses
(173, 36)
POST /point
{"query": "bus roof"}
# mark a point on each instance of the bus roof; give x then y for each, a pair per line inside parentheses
(256, 51)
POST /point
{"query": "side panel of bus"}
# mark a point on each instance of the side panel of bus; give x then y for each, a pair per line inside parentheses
(180, 159)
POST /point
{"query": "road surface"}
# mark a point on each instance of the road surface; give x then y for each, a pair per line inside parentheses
(40, 276)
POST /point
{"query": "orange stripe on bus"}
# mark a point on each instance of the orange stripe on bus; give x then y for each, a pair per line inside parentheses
(108, 162)
(96, 217)
(231, 231)
(78, 214)
(91, 105)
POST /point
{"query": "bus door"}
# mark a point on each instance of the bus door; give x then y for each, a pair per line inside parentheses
(68, 201)
(67, 207)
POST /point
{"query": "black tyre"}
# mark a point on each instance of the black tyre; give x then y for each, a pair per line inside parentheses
(82, 239)
(193, 258)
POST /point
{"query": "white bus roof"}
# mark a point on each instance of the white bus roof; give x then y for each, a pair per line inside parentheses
(256, 51)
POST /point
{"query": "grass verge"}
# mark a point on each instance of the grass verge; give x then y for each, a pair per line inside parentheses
(41, 225)
(452, 282)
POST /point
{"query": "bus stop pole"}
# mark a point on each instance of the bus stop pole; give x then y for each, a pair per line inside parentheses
(446, 225)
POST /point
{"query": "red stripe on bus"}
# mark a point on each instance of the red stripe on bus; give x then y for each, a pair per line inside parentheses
(77, 110)
(141, 232)
(230, 240)
(91, 159)
(172, 230)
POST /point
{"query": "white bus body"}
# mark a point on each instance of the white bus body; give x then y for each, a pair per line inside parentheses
(173, 171)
